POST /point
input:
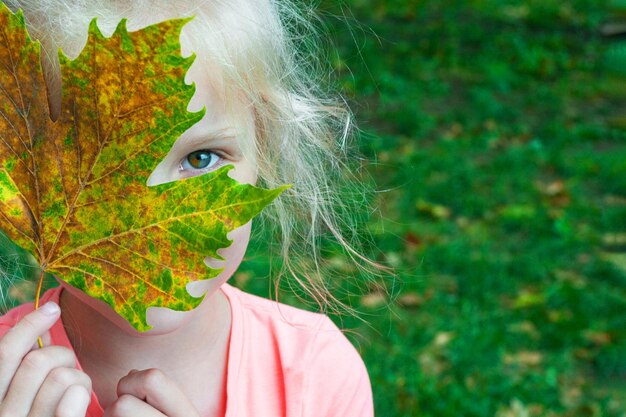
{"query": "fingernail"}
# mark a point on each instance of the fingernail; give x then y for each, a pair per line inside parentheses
(50, 308)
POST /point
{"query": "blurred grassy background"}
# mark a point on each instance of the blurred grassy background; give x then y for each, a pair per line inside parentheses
(497, 131)
(496, 134)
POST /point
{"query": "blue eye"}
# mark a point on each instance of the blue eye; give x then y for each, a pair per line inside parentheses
(201, 159)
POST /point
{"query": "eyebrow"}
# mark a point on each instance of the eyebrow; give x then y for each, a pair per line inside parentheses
(222, 134)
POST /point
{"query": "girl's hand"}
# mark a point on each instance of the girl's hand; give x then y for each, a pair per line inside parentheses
(149, 393)
(40, 382)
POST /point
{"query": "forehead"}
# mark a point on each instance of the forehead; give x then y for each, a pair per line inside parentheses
(228, 118)
(210, 35)
(225, 105)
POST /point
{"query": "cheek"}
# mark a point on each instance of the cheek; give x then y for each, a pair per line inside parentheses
(233, 256)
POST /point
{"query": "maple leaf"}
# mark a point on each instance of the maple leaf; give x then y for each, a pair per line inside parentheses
(73, 191)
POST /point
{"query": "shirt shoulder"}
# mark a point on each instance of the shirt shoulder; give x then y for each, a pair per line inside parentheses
(338, 374)
(304, 356)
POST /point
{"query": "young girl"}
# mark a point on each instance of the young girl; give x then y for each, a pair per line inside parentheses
(235, 355)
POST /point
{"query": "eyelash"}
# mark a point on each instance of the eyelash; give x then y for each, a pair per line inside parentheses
(213, 165)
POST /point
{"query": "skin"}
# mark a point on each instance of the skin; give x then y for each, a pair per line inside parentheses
(133, 374)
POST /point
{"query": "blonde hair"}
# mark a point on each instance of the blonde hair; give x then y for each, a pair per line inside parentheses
(264, 50)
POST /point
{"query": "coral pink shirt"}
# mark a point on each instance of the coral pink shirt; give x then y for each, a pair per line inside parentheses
(282, 361)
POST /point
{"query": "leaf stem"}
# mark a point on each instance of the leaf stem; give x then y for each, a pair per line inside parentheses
(37, 295)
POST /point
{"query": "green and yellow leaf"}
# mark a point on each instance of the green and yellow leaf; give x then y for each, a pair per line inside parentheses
(73, 191)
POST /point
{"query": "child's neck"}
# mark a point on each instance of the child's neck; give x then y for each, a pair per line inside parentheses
(194, 355)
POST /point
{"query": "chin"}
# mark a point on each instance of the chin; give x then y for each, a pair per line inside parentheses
(162, 320)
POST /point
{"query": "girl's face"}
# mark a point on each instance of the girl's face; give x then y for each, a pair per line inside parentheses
(209, 144)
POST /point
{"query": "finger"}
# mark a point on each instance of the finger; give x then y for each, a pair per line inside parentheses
(129, 406)
(155, 388)
(46, 340)
(74, 402)
(54, 388)
(19, 340)
(31, 374)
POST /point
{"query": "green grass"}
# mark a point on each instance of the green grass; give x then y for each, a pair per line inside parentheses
(496, 133)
